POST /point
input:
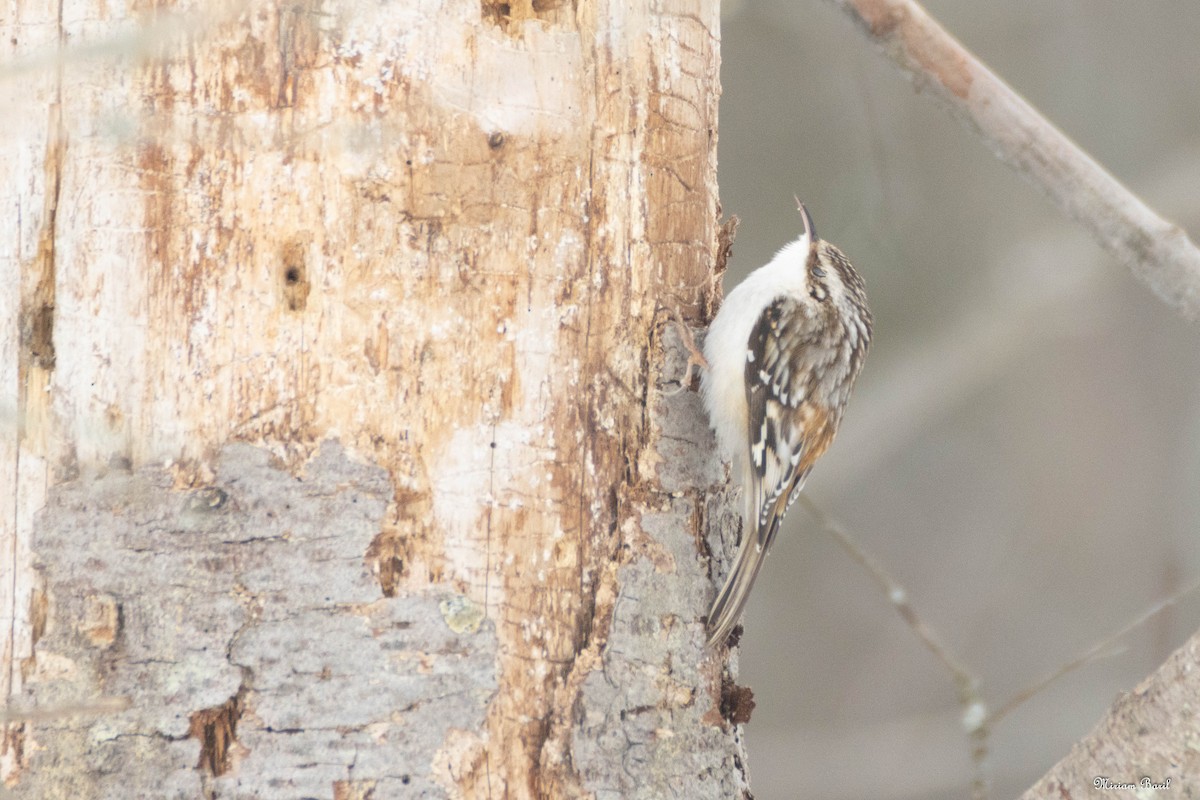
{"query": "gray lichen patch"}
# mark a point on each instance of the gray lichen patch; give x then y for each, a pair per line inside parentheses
(650, 725)
(685, 446)
(242, 623)
(651, 722)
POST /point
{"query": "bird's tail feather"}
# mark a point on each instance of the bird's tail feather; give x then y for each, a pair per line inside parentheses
(727, 608)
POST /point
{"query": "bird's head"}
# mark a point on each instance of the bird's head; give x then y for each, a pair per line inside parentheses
(829, 275)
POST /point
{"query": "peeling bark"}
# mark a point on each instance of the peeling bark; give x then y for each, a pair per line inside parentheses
(360, 466)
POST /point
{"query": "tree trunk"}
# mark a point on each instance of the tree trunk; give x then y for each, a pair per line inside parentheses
(336, 406)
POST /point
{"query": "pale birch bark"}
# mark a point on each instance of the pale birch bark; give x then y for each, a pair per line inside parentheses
(334, 407)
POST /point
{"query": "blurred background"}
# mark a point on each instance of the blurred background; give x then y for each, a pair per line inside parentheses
(1023, 448)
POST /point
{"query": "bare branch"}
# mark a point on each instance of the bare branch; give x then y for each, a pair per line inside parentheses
(975, 718)
(1091, 655)
(1159, 253)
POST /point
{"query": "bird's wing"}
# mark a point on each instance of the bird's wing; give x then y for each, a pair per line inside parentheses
(787, 430)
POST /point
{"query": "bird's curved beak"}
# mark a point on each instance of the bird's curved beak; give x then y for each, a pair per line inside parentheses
(810, 230)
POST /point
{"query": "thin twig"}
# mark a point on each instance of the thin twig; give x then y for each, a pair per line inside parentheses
(1159, 253)
(1090, 655)
(975, 718)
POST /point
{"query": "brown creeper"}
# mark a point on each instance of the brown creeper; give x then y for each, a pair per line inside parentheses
(783, 354)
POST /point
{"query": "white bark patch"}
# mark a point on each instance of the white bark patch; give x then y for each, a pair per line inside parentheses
(523, 85)
(490, 474)
(470, 472)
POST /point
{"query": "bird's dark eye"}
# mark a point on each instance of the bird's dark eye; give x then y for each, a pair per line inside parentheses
(820, 273)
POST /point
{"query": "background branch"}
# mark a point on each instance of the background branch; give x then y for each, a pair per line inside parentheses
(1159, 253)
(977, 720)
(974, 707)
(1093, 652)
(1146, 739)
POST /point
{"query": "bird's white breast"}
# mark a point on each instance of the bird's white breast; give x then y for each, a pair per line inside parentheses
(728, 339)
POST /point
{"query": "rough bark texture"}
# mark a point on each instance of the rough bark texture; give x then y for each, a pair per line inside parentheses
(1145, 747)
(251, 640)
(334, 405)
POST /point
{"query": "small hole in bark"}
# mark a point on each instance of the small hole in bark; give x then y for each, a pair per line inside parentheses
(295, 277)
(496, 140)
